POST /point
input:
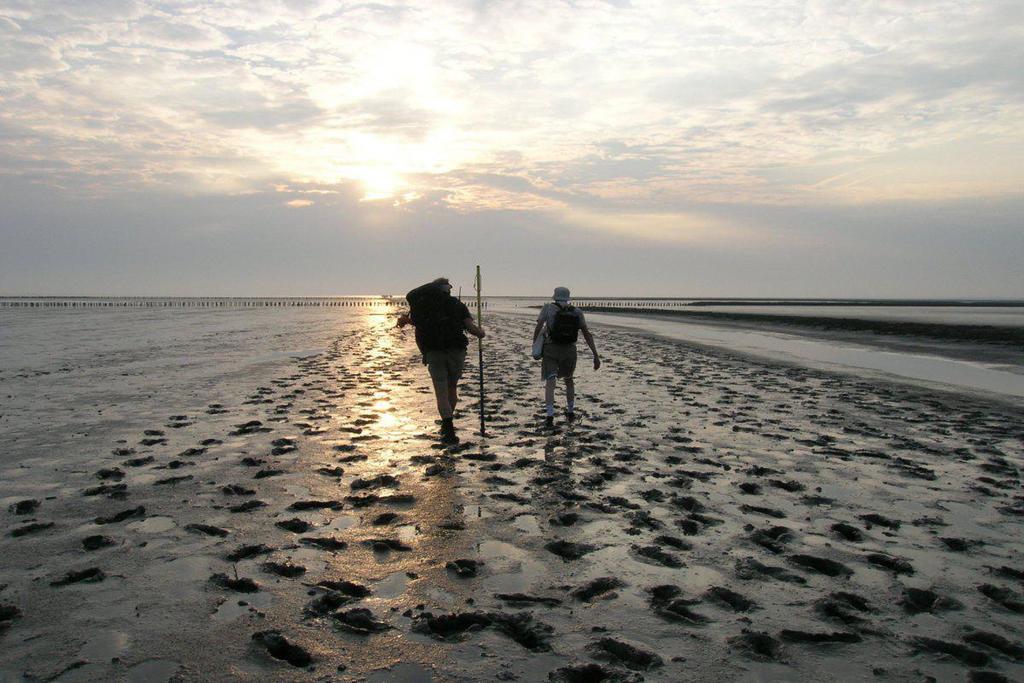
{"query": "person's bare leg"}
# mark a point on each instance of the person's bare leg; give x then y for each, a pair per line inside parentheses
(549, 395)
(570, 394)
(442, 393)
(453, 395)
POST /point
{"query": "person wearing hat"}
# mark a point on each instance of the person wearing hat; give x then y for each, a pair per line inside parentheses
(560, 322)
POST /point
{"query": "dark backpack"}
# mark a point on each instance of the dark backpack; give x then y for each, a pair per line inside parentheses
(438, 326)
(565, 327)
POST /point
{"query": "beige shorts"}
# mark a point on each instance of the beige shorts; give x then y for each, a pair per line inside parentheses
(559, 360)
(445, 367)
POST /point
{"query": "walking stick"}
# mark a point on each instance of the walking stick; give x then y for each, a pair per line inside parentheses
(480, 349)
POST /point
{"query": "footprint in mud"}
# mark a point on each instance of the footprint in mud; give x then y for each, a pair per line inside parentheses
(450, 627)
(172, 481)
(32, 528)
(601, 588)
(631, 655)
(266, 473)
(386, 518)
(359, 620)
(336, 472)
(758, 645)
(386, 545)
(1003, 596)
(848, 532)
(239, 585)
(841, 606)
(565, 519)
(327, 603)
(97, 542)
(244, 552)
(294, 525)
(132, 513)
(821, 565)
(8, 613)
(960, 545)
(878, 520)
(997, 643)
(748, 568)
(791, 486)
(523, 600)
(519, 626)
(247, 506)
(972, 658)
(113, 474)
(251, 427)
(568, 550)
(236, 490)
(917, 600)
(90, 575)
(657, 555)
(666, 603)
(348, 588)
(279, 647)
(303, 505)
(765, 511)
(207, 529)
(324, 543)
(23, 507)
(112, 491)
(285, 569)
(730, 599)
(772, 538)
(897, 565)
(282, 446)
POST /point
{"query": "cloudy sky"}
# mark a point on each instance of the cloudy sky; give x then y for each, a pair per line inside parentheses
(782, 148)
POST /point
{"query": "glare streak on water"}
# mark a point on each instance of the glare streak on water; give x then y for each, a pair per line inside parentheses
(835, 355)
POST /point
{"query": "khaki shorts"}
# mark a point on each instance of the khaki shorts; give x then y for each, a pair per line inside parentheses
(559, 360)
(445, 367)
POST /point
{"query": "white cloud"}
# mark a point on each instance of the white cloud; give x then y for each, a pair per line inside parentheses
(637, 107)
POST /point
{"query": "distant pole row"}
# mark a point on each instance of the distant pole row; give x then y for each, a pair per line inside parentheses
(204, 303)
(386, 303)
(630, 303)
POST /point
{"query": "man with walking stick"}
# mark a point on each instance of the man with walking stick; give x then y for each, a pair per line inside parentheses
(441, 321)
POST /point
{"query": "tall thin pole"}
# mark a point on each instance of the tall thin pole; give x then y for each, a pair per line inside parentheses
(480, 349)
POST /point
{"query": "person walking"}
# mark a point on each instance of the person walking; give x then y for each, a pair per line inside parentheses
(441, 322)
(560, 322)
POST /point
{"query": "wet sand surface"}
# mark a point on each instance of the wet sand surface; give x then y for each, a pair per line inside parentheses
(708, 516)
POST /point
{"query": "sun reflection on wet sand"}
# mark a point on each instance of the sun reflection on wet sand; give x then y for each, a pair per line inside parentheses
(384, 428)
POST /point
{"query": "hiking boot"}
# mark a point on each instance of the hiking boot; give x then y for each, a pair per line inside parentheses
(549, 422)
(448, 434)
(570, 416)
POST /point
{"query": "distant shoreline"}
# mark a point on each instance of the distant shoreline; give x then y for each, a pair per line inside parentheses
(585, 301)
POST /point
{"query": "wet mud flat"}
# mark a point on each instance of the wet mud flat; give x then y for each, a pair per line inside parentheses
(707, 516)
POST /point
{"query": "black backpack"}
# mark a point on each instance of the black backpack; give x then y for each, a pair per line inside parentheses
(438, 326)
(565, 327)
